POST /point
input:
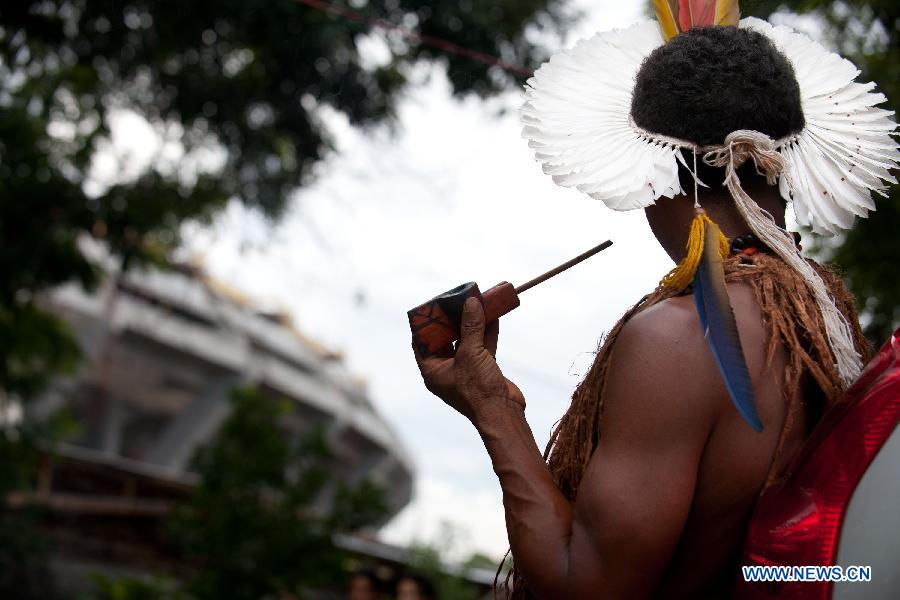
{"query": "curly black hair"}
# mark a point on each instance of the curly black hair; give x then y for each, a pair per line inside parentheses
(710, 81)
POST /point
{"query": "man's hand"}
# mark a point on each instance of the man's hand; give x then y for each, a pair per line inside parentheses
(468, 379)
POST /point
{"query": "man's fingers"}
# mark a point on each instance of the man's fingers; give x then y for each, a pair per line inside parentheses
(438, 357)
(472, 330)
(431, 368)
(443, 353)
(491, 334)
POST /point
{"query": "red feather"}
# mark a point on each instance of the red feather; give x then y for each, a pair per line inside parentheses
(696, 13)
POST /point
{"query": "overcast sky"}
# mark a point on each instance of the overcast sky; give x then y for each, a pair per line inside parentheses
(453, 195)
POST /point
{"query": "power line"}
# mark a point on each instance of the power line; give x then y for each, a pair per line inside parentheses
(427, 40)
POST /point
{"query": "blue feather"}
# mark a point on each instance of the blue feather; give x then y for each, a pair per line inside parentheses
(720, 328)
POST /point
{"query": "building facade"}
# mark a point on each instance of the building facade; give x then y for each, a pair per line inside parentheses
(162, 351)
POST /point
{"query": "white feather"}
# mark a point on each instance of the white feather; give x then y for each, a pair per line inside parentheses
(576, 118)
(847, 150)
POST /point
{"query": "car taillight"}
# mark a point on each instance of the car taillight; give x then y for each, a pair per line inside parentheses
(798, 522)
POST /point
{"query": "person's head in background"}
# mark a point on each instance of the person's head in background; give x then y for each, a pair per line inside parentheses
(363, 586)
(415, 587)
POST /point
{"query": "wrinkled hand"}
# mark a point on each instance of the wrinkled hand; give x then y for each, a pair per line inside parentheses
(468, 379)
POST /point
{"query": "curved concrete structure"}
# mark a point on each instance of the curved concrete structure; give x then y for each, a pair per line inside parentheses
(164, 348)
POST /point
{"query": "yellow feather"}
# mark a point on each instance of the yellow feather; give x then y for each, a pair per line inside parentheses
(666, 18)
(682, 275)
(728, 12)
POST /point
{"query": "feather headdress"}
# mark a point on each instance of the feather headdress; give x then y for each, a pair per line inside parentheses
(577, 118)
(678, 16)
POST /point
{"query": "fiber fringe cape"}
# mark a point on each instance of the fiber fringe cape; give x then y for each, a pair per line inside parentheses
(792, 321)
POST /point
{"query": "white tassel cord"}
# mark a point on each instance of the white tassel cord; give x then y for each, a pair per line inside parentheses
(738, 147)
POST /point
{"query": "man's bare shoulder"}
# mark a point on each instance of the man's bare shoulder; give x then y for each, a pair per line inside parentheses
(671, 319)
(662, 336)
(674, 325)
(665, 347)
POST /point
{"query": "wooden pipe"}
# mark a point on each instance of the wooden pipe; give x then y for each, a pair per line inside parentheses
(436, 324)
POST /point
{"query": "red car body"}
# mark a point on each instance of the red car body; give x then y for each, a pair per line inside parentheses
(809, 519)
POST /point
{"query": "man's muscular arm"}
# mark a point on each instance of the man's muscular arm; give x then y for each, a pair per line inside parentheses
(617, 538)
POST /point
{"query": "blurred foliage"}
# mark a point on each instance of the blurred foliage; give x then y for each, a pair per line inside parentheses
(231, 90)
(231, 93)
(867, 32)
(429, 560)
(35, 344)
(23, 552)
(480, 561)
(24, 572)
(134, 588)
(254, 527)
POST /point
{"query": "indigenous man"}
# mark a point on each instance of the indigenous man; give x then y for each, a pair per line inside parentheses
(700, 395)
